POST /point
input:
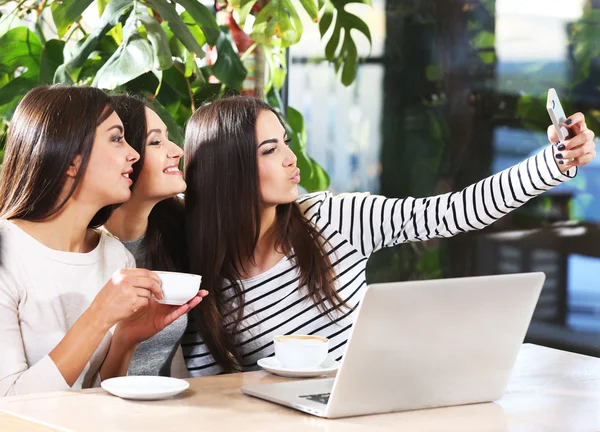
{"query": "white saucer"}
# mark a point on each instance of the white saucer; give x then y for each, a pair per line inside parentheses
(271, 364)
(144, 387)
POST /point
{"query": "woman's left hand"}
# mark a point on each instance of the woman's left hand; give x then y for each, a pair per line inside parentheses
(579, 150)
(154, 318)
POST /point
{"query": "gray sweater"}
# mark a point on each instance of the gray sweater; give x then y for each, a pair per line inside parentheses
(154, 356)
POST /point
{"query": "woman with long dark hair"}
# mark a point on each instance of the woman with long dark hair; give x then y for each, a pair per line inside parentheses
(276, 263)
(72, 308)
(151, 223)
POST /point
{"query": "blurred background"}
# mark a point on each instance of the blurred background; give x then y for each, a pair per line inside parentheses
(450, 92)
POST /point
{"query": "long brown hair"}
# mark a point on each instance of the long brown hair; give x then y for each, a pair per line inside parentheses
(223, 221)
(50, 127)
(166, 226)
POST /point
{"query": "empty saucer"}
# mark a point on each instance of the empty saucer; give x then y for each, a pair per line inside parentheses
(144, 387)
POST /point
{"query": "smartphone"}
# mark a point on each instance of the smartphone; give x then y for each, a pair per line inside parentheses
(557, 115)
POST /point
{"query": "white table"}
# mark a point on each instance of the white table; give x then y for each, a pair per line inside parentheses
(550, 390)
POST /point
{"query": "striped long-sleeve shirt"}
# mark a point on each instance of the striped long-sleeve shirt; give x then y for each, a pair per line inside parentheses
(356, 226)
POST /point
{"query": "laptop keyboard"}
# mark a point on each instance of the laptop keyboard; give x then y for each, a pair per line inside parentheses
(321, 398)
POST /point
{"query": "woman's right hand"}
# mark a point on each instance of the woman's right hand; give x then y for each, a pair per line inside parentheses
(127, 291)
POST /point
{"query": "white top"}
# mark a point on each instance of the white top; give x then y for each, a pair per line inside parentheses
(356, 226)
(42, 293)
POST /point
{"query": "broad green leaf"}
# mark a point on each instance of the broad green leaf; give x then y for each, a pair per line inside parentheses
(274, 99)
(117, 33)
(278, 18)
(15, 90)
(204, 18)
(183, 114)
(346, 57)
(159, 41)
(177, 48)
(276, 72)
(102, 5)
(287, 31)
(133, 58)
(20, 48)
(311, 8)
(270, 59)
(352, 22)
(350, 65)
(52, 58)
(143, 85)
(190, 66)
(318, 180)
(65, 13)
(90, 68)
(333, 43)
(12, 93)
(176, 80)
(279, 77)
(295, 120)
(326, 18)
(228, 68)
(297, 23)
(168, 13)
(313, 176)
(194, 28)
(173, 108)
(244, 11)
(110, 17)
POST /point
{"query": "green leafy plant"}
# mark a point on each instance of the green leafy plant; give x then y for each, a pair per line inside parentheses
(158, 48)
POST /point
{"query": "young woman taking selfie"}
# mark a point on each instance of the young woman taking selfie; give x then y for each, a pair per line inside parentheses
(276, 263)
(72, 310)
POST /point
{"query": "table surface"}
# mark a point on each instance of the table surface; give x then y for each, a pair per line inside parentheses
(550, 390)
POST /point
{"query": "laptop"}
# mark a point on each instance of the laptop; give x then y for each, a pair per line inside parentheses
(422, 344)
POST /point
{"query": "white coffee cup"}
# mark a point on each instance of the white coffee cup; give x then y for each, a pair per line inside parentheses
(178, 288)
(301, 351)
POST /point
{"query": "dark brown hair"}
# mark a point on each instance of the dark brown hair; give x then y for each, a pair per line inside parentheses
(166, 226)
(51, 126)
(223, 222)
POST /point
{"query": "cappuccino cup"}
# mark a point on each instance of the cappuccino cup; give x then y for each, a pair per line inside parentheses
(301, 351)
(178, 288)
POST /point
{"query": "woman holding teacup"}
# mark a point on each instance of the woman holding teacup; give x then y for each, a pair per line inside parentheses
(276, 263)
(151, 223)
(72, 308)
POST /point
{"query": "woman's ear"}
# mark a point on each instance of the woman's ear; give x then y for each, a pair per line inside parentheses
(74, 167)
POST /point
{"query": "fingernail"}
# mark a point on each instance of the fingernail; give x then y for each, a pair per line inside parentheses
(559, 156)
(562, 162)
(568, 122)
(561, 147)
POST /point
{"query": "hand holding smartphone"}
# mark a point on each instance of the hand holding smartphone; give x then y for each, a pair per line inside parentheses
(557, 115)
